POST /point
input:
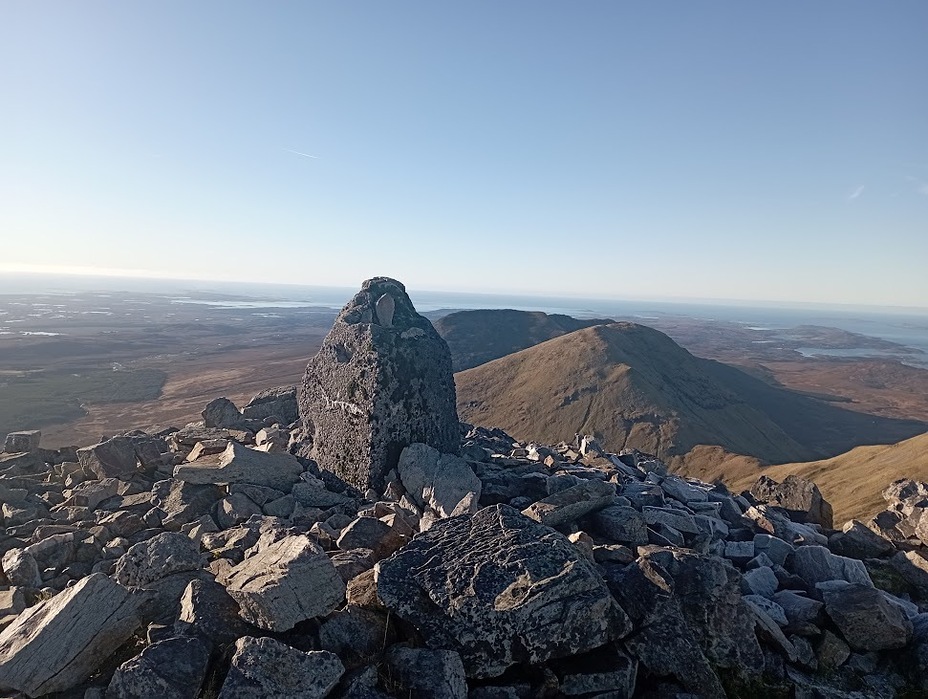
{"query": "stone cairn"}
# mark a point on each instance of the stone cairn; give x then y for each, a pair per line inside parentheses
(219, 559)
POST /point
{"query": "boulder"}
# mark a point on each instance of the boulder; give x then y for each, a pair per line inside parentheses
(437, 481)
(499, 588)
(263, 667)
(284, 583)
(183, 502)
(277, 402)
(162, 555)
(856, 540)
(801, 498)
(572, 503)
(865, 618)
(114, 458)
(816, 564)
(21, 568)
(207, 610)
(621, 524)
(57, 644)
(371, 533)
(221, 413)
(427, 674)
(170, 669)
(376, 387)
(239, 464)
(23, 441)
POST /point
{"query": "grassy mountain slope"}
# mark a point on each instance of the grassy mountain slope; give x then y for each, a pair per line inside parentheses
(477, 337)
(632, 386)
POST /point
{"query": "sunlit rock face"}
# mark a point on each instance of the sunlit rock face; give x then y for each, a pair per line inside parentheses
(381, 381)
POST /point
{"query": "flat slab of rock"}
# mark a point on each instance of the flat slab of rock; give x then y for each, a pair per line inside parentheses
(500, 588)
(239, 464)
(572, 503)
(285, 583)
(381, 380)
(263, 667)
(57, 644)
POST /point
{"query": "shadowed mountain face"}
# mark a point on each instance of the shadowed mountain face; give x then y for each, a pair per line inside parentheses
(477, 337)
(633, 386)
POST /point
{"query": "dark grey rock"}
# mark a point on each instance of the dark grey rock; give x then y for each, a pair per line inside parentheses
(759, 581)
(207, 610)
(801, 498)
(263, 667)
(274, 402)
(858, 541)
(426, 674)
(357, 636)
(865, 618)
(223, 414)
(170, 669)
(606, 671)
(572, 503)
(803, 614)
(114, 458)
(373, 389)
(500, 589)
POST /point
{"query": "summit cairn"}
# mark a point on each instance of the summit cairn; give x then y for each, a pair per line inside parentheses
(381, 381)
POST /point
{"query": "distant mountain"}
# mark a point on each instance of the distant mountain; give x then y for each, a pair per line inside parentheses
(633, 386)
(477, 337)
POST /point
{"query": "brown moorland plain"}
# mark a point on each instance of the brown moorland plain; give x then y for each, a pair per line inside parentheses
(192, 382)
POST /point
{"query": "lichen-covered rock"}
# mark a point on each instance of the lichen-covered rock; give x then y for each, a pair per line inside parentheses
(378, 385)
(865, 618)
(263, 667)
(428, 674)
(284, 583)
(57, 644)
(170, 669)
(162, 555)
(500, 588)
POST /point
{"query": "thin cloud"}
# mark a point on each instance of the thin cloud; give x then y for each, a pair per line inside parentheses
(305, 155)
(856, 193)
(920, 185)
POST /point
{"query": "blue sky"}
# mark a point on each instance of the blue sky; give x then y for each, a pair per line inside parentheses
(721, 150)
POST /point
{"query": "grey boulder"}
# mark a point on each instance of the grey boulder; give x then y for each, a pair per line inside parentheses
(239, 464)
(499, 588)
(377, 385)
(170, 669)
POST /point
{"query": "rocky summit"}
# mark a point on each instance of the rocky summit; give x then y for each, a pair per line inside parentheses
(327, 551)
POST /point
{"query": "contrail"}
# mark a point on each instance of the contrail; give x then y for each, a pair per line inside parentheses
(305, 155)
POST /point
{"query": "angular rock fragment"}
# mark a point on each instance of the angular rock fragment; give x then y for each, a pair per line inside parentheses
(221, 413)
(113, 458)
(277, 402)
(571, 504)
(816, 564)
(170, 669)
(865, 618)
(499, 588)
(207, 610)
(57, 644)
(156, 558)
(438, 481)
(239, 464)
(801, 498)
(263, 667)
(858, 541)
(21, 568)
(430, 674)
(285, 583)
(375, 388)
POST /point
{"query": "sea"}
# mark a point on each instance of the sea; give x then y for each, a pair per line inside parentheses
(901, 325)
